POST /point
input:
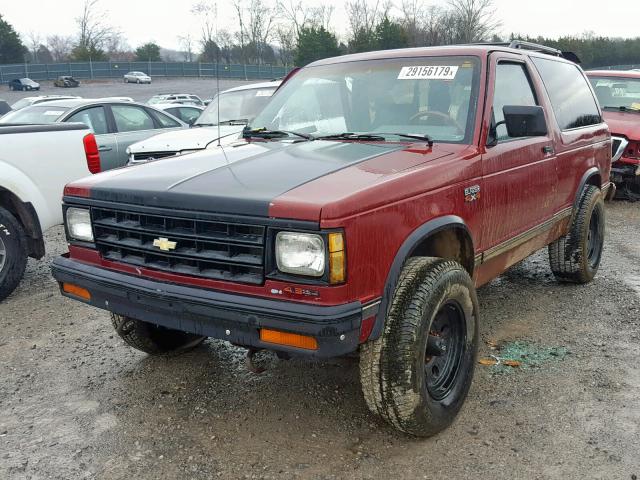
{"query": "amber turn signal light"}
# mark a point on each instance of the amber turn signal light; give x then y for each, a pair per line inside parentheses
(288, 339)
(337, 258)
(77, 291)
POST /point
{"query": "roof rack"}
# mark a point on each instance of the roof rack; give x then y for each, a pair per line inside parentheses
(521, 44)
(535, 47)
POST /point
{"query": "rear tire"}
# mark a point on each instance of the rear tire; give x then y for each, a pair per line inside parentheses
(13, 255)
(416, 376)
(576, 256)
(154, 339)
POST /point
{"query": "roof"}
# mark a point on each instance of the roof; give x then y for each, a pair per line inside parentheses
(614, 73)
(79, 102)
(449, 50)
(252, 86)
(162, 106)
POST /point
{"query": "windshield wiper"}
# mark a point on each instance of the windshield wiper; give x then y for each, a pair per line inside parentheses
(353, 136)
(235, 121)
(266, 133)
(416, 136)
(375, 136)
(622, 109)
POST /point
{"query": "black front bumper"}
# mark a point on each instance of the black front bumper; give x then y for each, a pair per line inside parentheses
(236, 318)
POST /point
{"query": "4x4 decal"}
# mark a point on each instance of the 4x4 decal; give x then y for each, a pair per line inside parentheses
(471, 194)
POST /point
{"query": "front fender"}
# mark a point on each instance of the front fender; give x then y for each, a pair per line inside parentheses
(20, 185)
(417, 237)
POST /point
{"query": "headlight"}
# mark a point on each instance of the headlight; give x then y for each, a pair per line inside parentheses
(300, 253)
(79, 224)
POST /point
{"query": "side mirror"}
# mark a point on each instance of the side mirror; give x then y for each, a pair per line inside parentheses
(524, 121)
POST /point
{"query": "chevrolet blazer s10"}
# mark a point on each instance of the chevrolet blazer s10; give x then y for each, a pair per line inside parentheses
(363, 207)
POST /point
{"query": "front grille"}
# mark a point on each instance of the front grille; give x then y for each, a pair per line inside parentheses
(210, 249)
(146, 156)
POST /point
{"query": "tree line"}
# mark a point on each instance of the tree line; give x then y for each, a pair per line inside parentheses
(295, 32)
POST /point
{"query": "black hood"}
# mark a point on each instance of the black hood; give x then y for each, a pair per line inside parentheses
(243, 179)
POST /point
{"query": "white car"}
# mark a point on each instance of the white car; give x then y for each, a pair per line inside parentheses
(36, 162)
(237, 107)
(186, 98)
(28, 101)
(137, 77)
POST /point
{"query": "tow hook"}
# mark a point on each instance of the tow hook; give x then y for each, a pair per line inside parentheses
(250, 363)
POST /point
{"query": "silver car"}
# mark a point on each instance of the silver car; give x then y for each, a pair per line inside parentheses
(137, 77)
(187, 113)
(116, 124)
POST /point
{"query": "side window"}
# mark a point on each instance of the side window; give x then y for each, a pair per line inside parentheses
(93, 117)
(512, 88)
(571, 98)
(131, 118)
(166, 121)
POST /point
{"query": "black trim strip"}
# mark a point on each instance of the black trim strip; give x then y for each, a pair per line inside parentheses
(10, 128)
(524, 237)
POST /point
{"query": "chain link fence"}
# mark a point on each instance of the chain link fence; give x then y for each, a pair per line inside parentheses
(90, 70)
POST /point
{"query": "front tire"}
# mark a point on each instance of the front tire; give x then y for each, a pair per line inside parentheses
(416, 376)
(576, 256)
(153, 339)
(13, 255)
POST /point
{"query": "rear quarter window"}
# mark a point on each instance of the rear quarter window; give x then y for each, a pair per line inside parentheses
(571, 99)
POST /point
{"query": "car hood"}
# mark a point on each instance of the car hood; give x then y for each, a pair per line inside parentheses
(626, 124)
(246, 177)
(195, 138)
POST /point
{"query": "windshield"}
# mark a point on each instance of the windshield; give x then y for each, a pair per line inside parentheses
(433, 96)
(616, 92)
(156, 99)
(21, 104)
(237, 105)
(35, 114)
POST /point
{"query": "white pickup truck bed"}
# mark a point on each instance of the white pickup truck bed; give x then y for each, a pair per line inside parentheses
(36, 162)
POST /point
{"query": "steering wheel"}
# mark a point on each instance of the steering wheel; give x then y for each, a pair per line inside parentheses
(447, 120)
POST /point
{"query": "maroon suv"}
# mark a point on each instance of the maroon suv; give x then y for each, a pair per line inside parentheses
(359, 212)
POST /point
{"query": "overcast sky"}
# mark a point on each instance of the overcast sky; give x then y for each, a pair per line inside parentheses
(144, 20)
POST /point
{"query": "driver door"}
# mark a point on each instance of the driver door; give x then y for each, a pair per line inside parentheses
(519, 174)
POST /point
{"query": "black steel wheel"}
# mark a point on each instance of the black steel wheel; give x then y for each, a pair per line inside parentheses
(445, 349)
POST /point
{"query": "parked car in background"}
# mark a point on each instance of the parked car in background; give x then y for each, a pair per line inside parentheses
(36, 161)
(137, 77)
(66, 81)
(176, 98)
(116, 124)
(237, 106)
(4, 107)
(187, 113)
(24, 84)
(28, 101)
(619, 95)
(364, 206)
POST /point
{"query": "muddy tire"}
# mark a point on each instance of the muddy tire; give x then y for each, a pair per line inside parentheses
(13, 255)
(576, 256)
(154, 339)
(417, 374)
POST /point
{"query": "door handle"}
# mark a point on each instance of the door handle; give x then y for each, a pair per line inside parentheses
(547, 150)
(104, 148)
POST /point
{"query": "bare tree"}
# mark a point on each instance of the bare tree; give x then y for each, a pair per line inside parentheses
(93, 29)
(60, 47)
(321, 16)
(363, 15)
(207, 12)
(186, 43)
(476, 19)
(33, 42)
(294, 13)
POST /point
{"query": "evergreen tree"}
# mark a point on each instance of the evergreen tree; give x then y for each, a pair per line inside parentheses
(149, 52)
(11, 48)
(315, 43)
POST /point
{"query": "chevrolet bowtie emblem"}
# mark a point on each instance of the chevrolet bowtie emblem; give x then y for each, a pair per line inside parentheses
(164, 244)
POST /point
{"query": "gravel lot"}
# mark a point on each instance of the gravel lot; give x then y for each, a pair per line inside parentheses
(76, 402)
(204, 88)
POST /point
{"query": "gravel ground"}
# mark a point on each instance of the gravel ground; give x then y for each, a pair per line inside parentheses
(76, 402)
(204, 88)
